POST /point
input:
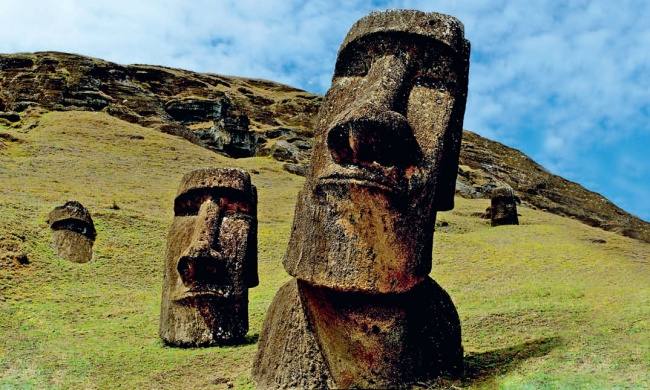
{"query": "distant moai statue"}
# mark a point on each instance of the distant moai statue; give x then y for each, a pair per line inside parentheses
(211, 259)
(73, 232)
(362, 311)
(503, 207)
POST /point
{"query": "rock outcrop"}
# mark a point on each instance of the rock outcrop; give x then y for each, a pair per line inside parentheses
(226, 114)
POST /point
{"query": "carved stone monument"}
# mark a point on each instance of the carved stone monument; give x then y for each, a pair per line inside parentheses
(73, 232)
(362, 310)
(211, 259)
(503, 207)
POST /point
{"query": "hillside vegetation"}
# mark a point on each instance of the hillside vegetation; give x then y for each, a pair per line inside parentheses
(247, 117)
(551, 303)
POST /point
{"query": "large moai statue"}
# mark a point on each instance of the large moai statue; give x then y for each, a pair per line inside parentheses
(211, 259)
(361, 310)
(73, 232)
(503, 207)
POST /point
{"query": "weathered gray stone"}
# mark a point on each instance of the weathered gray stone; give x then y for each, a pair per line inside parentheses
(192, 110)
(211, 259)
(229, 133)
(73, 232)
(384, 162)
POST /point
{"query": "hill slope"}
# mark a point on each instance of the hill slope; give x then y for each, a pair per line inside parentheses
(552, 303)
(244, 117)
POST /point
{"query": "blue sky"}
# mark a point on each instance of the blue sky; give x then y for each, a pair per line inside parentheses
(568, 83)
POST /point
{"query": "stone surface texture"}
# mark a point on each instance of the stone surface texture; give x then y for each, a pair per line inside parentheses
(211, 259)
(384, 162)
(73, 232)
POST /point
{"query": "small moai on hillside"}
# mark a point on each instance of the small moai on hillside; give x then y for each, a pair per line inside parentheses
(73, 232)
(503, 207)
(211, 259)
(362, 311)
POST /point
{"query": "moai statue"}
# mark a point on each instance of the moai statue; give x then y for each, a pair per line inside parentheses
(503, 207)
(361, 310)
(211, 259)
(73, 232)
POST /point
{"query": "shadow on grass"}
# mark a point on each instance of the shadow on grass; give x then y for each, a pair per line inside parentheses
(484, 366)
(250, 339)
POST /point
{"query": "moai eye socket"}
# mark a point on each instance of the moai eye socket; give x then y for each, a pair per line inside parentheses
(190, 203)
(436, 73)
(230, 202)
(234, 205)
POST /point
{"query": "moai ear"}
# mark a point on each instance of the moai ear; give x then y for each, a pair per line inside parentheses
(446, 184)
(251, 278)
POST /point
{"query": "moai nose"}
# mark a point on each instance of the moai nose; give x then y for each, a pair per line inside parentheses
(200, 263)
(374, 129)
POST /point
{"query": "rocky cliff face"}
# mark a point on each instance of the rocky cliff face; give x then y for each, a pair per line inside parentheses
(231, 115)
(246, 117)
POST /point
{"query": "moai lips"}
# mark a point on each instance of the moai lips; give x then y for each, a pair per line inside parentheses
(73, 232)
(503, 207)
(211, 259)
(362, 311)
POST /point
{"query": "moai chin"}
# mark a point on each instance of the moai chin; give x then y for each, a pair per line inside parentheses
(362, 310)
(211, 259)
(503, 207)
(73, 232)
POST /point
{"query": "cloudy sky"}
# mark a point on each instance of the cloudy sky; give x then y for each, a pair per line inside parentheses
(569, 85)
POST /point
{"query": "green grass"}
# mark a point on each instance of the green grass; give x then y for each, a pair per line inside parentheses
(542, 306)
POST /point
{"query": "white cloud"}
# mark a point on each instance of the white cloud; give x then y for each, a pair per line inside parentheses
(564, 81)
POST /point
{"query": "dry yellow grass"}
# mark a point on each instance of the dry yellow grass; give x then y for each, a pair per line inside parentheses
(542, 305)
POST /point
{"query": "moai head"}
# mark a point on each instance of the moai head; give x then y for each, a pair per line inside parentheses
(503, 207)
(73, 232)
(211, 258)
(385, 156)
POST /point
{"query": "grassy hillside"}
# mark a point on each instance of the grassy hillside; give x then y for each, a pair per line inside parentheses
(550, 303)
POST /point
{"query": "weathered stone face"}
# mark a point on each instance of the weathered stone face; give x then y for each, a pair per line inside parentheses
(211, 259)
(73, 232)
(503, 207)
(385, 155)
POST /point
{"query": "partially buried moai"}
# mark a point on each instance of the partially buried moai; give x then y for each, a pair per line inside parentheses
(503, 207)
(211, 259)
(73, 232)
(362, 310)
